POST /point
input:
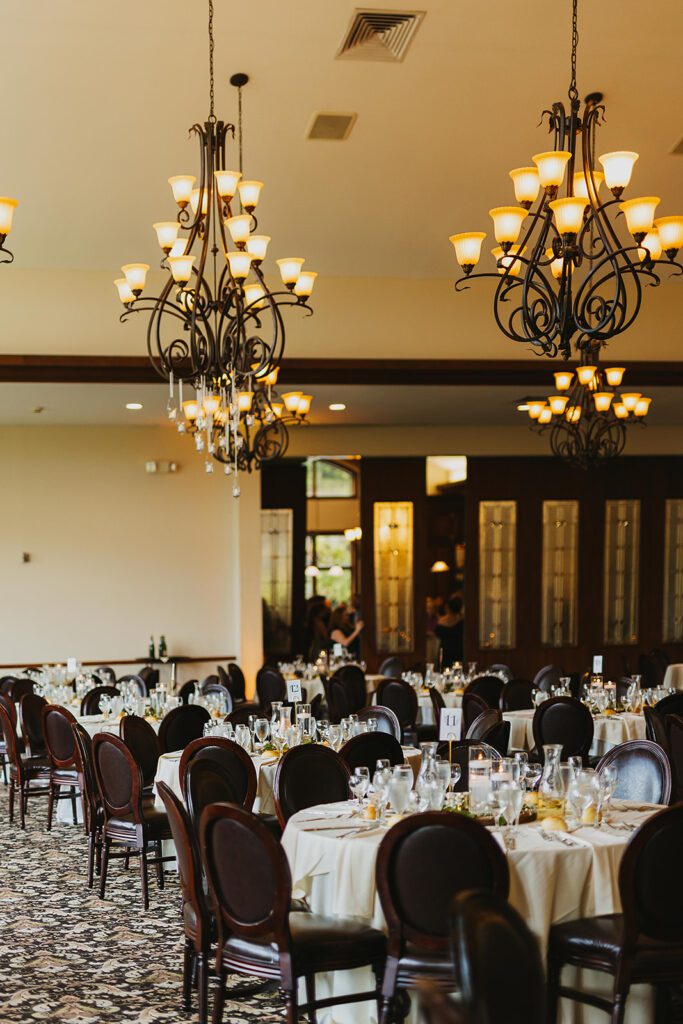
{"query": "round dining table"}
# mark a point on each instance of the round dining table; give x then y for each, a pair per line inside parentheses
(553, 877)
(609, 730)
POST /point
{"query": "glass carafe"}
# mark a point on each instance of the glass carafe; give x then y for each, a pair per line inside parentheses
(428, 754)
(551, 788)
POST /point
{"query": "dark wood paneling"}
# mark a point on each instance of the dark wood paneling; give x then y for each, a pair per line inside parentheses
(283, 485)
(531, 481)
(393, 479)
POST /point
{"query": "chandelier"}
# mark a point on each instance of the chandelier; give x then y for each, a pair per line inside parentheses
(564, 275)
(587, 419)
(7, 208)
(216, 325)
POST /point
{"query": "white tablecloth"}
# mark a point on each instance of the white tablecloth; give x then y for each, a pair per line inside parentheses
(609, 730)
(314, 687)
(549, 882)
(673, 677)
(426, 712)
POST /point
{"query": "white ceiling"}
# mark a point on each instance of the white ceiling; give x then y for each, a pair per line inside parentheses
(104, 405)
(99, 97)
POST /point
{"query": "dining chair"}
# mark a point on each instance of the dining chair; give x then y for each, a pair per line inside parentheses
(137, 680)
(190, 687)
(20, 688)
(672, 704)
(643, 944)
(352, 680)
(387, 721)
(458, 752)
(11, 710)
(504, 670)
(391, 667)
(150, 677)
(241, 714)
(6, 684)
(489, 688)
(143, 743)
(106, 674)
(473, 705)
(421, 864)
(258, 935)
(57, 727)
(567, 721)
(31, 718)
(674, 753)
(367, 748)
(93, 810)
(214, 768)
(643, 770)
(655, 728)
(90, 705)
(30, 776)
(308, 775)
(270, 686)
(400, 697)
(198, 922)
(496, 954)
(548, 677)
(438, 704)
(517, 695)
(131, 820)
(182, 725)
(238, 685)
(210, 680)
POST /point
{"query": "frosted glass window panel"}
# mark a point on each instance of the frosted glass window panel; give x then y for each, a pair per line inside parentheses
(393, 549)
(276, 561)
(497, 573)
(672, 628)
(560, 573)
(622, 555)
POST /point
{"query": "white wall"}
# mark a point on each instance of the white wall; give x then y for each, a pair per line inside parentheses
(118, 554)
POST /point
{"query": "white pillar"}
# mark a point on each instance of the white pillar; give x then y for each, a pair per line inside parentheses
(247, 562)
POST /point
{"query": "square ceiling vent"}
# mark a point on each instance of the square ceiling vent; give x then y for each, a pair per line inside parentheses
(332, 127)
(379, 35)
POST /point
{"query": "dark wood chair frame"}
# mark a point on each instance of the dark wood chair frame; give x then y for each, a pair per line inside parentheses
(64, 772)
(305, 751)
(22, 771)
(541, 712)
(222, 742)
(93, 811)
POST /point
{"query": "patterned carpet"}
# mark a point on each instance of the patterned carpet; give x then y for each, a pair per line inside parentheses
(69, 958)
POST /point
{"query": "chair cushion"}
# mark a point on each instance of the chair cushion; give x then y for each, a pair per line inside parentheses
(154, 820)
(64, 776)
(418, 962)
(599, 939)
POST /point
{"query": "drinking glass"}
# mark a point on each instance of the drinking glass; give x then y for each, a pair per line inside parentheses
(335, 736)
(609, 776)
(372, 724)
(261, 729)
(399, 790)
(456, 774)
(575, 763)
(359, 783)
(383, 764)
(533, 773)
(293, 736)
(243, 736)
(522, 757)
(443, 773)
(252, 723)
(105, 707)
(323, 726)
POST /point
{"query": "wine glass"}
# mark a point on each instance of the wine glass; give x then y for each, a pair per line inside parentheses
(335, 736)
(532, 775)
(243, 736)
(456, 774)
(608, 778)
(372, 724)
(359, 782)
(261, 730)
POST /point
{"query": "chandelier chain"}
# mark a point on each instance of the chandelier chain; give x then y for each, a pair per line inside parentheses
(212, 115)
(573, 91)
(239, 129)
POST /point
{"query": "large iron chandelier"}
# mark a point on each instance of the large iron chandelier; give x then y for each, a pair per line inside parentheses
(216, 324)
(564, 276)
(586, 419)
(7, 208)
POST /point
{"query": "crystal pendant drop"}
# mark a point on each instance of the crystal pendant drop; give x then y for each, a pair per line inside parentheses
(208, 466)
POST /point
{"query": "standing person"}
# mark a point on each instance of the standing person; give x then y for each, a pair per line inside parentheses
(341, 630)
(316, 631)
(355, 616)
(450, 630)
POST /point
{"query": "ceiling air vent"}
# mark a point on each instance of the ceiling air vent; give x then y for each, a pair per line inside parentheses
(379, 35)
(331, 126)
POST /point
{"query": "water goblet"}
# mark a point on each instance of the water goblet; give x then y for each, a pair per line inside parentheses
(335, 736)
(261, 730)
(243, 736)
(359, 782)
(372, 724)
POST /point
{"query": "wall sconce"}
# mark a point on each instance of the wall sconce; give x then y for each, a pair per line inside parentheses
(440, 566)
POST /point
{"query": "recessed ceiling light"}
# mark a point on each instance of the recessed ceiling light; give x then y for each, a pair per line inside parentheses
(337, 407)
(133, 405)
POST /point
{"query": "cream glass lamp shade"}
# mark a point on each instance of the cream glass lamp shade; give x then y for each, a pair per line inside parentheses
(670, 231)
(536, 407)
(250, 192)
(568, 214)
(640, 213)
(123, 288)
(270, 380)
(556, 264)
(527, 184)
(651, 248)
(181, 268)
(277, 408)
(226, 183)
(630, 400)
(211, 404)
(304, 406)
(239, 228)
(7, 208)
(239, 263)
(551, 167)
(305, 282)
(614, 375)
(642, 407)
(191, 409)
(291, 400)
(573, 413)
(618, 168)
(507, 262)
(178, 247)
(557, 403)
(507, 223)
(136, 274)
(167, 232)
(182, 185)
(545, 415)
(620, 411)
(586, 374)
(194, 201)
(311, 570)
(290, 268)
(581, 184)
(602, 400)
(244, 400)
(438, 566)
(563, 379)
(253, 294)
(467, 247)
(257, 245)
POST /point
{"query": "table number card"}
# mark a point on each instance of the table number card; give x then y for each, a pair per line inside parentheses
(71, 666)
(294, 691)
(597, 665)
(450, 723)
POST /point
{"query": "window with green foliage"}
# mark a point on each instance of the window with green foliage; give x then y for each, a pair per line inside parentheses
(326, 479)
(330, 554)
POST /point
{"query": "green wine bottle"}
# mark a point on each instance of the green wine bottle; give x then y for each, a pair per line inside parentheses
(163, 650)
(150, 650)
